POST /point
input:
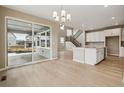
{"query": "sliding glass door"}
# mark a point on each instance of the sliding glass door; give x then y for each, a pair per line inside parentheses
(27, 42)
(41, 45)
(19, 42)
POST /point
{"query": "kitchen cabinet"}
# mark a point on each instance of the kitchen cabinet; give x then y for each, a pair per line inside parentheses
(90, 56)
(94, 55)
(95, 36)
(88, 37)
(121, 51)
(99, 36)
(112, 32)
(78, 54)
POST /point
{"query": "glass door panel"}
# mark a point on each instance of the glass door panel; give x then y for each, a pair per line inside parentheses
(48, 38)
(19, 35)
(27, 42)
(40, 49)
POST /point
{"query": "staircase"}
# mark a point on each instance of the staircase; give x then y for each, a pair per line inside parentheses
(74, 37)
(78, 33)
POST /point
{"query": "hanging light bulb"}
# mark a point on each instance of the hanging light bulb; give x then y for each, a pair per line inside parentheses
(63, 19)
(57, 18)
(68, 17)
(63, 13)
(62, 27)
(54, 14)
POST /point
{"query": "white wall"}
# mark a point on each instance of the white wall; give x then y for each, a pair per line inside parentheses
(69, 45)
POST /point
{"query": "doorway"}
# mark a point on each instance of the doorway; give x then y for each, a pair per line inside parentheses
(112, 46)
(27, 42)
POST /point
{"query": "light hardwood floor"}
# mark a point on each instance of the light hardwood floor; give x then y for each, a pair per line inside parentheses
(65, 72)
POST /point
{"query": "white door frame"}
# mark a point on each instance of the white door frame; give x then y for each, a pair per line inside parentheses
(119, 41)
(6, 42)
(118, 44)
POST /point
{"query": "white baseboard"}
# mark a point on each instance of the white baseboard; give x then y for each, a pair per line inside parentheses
(78, 61)
(114, 55)
(89, 63)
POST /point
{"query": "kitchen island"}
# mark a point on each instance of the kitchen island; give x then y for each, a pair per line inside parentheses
(90, 56)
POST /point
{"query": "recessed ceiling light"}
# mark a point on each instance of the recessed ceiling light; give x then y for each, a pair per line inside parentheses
(113, 17)
(105, 5)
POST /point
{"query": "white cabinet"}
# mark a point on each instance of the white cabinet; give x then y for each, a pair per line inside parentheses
(88, 37)
(99, 36)
(100, 54)
(94, 55)
(95, 36)
(78, 54)
(112, 32)
(121, 51)
(90, 56)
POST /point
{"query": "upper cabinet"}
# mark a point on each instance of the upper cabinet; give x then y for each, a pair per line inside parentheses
(95, 36)
(99, 36)
(112, 32)
(88, 37)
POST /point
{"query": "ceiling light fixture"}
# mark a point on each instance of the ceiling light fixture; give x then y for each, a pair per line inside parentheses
(62, 26)
(105, 5)
(63, 18)
(113, 18)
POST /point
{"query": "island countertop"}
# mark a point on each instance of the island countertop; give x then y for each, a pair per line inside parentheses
(88, 55)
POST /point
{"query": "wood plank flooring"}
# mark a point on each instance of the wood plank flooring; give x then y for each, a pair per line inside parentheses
(65, 72)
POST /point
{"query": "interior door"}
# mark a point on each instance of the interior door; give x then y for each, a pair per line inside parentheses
(112, 45)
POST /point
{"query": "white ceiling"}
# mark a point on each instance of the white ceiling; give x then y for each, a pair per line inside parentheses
(92, 16)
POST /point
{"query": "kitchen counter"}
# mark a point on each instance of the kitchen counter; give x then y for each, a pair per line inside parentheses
(78, 54)
(88, 55)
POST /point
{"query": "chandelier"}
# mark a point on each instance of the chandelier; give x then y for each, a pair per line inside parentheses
(63, 18)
